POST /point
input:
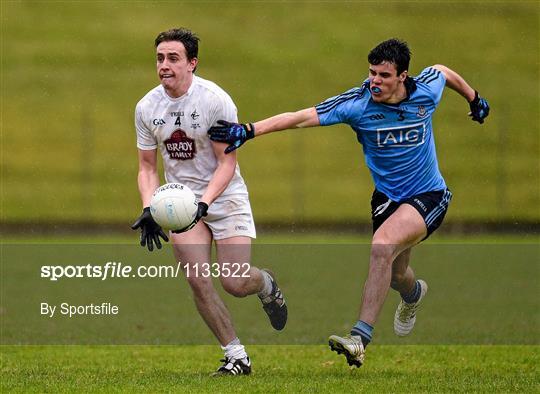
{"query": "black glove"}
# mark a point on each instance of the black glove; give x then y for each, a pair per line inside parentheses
(479, 108)
(202, 210)
(235, 134)
(150, 230)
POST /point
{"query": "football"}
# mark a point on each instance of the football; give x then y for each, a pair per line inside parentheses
(173, 206)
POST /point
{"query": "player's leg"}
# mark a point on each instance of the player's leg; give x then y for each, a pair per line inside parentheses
(401, 230)
(412, 292)
(240, 278)
(432, 206)
(403, 278)
(233, 228)
(194, 248)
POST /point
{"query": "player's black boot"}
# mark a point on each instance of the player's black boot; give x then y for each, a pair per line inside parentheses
(234, 367)
(274, 305)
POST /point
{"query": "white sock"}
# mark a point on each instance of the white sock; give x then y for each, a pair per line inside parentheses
(267, 287)
(235, 350)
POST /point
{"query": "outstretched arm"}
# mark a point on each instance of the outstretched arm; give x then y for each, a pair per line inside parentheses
(289, 120)
(236, 134)
(479, 106)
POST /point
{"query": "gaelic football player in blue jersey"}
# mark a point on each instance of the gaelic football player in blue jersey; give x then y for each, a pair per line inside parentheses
(391, 114)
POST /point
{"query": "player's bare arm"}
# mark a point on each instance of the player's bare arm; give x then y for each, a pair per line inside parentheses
(236, 134)
(289, 120)
(148, 181)
(479, 107)
(147, 178)
(222, 175)
(456, 82)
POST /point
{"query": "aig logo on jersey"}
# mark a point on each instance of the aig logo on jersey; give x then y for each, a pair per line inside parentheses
(180, 146)
(396, 137)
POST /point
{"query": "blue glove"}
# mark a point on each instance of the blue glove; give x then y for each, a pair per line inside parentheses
(479, 108)
(235, 134)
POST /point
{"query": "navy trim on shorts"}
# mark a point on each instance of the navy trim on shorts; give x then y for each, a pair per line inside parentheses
(432, 206)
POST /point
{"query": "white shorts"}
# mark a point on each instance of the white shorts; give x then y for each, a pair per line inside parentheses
(231, 218)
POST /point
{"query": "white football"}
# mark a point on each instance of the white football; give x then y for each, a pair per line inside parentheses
(173, 206)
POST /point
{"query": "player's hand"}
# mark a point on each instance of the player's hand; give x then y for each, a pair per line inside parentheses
(150, 230)
(479, 108)
(235, 134)
(202, 210)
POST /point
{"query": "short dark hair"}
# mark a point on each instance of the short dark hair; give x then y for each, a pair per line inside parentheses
(394, 51)
(183, 35)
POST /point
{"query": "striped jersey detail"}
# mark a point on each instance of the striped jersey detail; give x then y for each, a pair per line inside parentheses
(331, 103)
(428, 76)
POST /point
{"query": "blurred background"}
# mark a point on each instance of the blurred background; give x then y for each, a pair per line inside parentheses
(72, 73)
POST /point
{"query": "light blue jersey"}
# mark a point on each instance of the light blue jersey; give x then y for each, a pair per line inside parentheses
(397, 139)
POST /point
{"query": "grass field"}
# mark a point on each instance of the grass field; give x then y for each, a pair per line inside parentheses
(73, 72)
(482, 278)
(292, 369)
(478, 330)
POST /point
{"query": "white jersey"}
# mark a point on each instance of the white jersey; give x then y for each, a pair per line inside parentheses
(178, 126)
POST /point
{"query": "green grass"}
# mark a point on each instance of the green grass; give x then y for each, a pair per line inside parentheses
(73, 71)
(475, 279)
(275, 369)
(478, 329)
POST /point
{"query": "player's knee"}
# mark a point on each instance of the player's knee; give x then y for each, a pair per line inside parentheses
(383, 247)
(382, 252)
(381, 238)
(236, 288)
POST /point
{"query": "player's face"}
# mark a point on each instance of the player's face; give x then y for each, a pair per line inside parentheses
(385, 84)
(174, 69)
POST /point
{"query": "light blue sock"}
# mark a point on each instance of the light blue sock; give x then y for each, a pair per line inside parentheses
(364, 330)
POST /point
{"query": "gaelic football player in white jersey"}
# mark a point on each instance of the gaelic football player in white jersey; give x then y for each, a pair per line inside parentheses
(174, 118)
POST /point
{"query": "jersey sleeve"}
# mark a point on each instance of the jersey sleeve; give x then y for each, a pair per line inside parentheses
(222, 108)
(432, 81)
(340, 109)
(145, 137)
